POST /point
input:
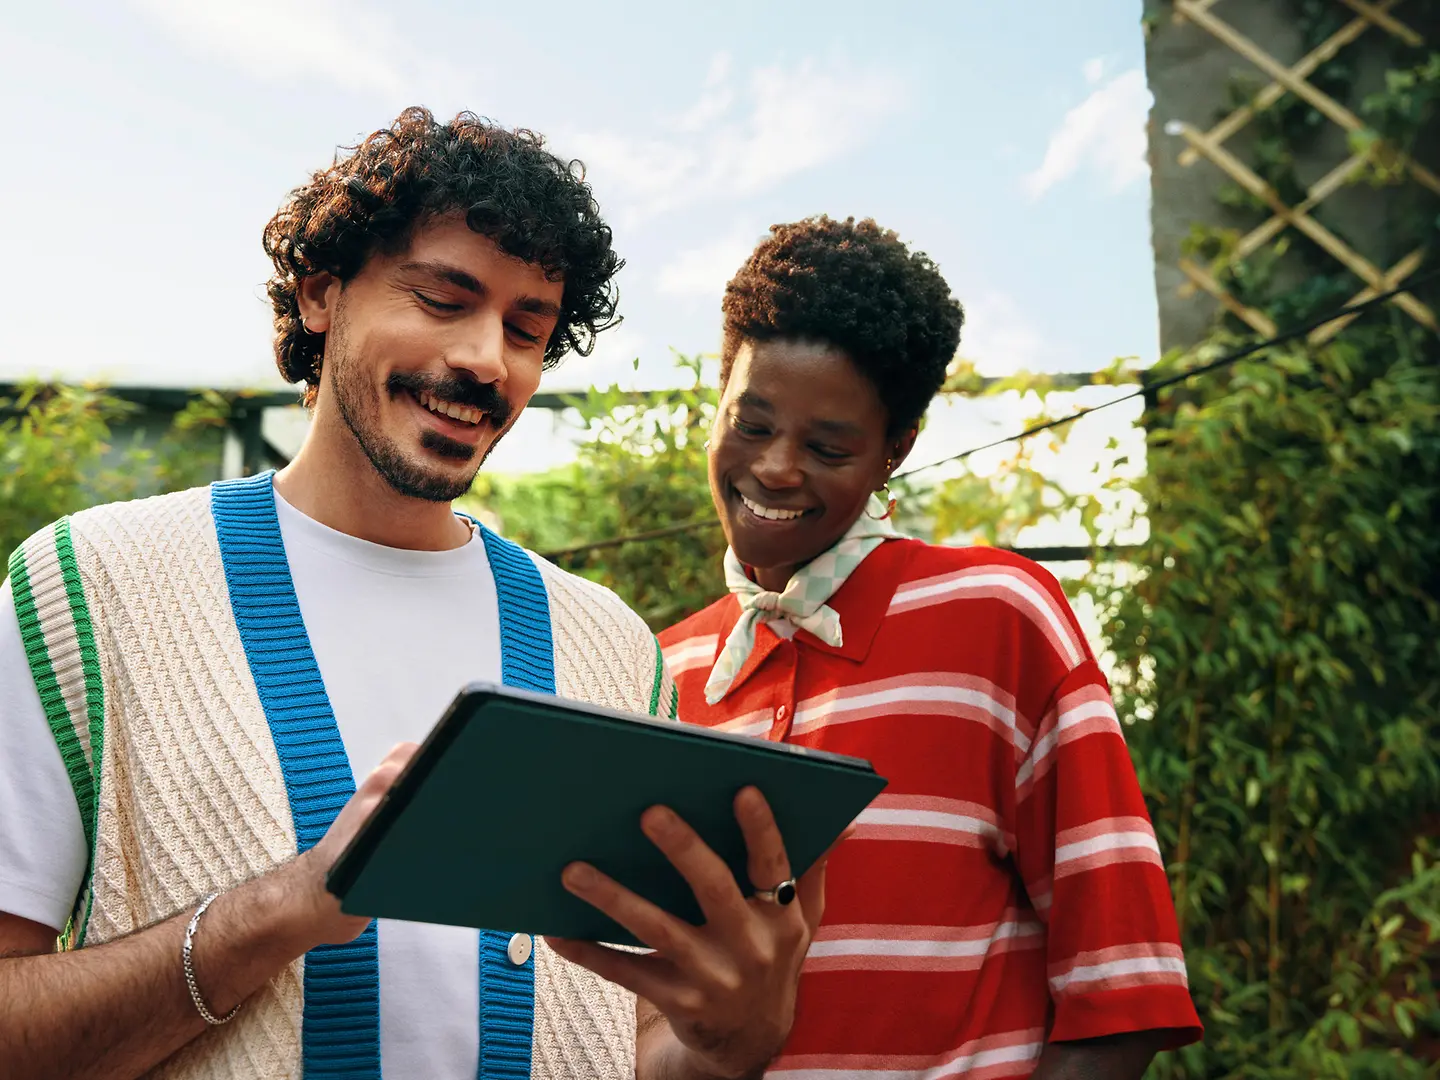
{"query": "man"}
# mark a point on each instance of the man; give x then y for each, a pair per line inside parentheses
(190, 687)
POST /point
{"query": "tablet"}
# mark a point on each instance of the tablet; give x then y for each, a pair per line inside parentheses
(512, 786)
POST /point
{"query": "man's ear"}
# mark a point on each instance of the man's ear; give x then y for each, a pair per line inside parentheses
(316, 300)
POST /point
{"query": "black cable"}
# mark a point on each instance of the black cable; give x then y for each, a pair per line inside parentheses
(1148, 389)
(1183, 376)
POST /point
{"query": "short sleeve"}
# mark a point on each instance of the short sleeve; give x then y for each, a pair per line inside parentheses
(42, 842)
(1087, 852)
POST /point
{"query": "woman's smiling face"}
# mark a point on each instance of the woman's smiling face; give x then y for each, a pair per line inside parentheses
(801, 440)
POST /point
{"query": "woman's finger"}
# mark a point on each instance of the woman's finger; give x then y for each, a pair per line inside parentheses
(769, 865)
(673, 939)
(709, 878)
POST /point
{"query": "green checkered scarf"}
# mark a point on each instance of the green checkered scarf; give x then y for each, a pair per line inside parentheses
(803, 602)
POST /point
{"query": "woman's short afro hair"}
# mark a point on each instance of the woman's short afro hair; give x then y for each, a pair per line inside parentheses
(857, 288)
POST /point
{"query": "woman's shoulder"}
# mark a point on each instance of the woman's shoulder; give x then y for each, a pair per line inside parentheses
(1008, 586)
(925, 561)
(701, 624)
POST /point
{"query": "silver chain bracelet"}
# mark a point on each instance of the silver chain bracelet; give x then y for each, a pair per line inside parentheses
(205, 1013)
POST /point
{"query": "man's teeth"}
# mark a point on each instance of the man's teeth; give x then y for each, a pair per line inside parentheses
(462, 413)
(769, 513)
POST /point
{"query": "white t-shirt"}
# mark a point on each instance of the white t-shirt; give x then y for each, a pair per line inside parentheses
(396, 633)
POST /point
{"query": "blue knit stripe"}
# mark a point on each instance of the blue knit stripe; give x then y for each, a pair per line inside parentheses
(527, 662)
(340, 1034)
(527, 653)
(507, 1010)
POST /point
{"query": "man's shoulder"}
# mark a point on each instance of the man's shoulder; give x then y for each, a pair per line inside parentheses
(175, 507)
(578, 600)
(135, 523)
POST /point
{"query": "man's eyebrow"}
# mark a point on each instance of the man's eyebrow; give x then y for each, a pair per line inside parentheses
(754, 400)
(462, 279)
(446, 272)
(535, 306)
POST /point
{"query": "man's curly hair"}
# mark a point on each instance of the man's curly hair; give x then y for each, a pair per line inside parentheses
(857, 288)
(510, 188)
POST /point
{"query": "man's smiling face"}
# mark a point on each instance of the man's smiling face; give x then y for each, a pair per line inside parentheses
(431, 354)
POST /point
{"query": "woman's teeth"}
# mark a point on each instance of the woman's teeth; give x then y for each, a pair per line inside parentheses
(769, 513)
(463, 413)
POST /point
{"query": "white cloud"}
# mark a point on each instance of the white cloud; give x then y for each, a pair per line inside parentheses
(715, 101)
(703, 271)
(741, 136)
(613, 361)
(1094, 70)
(354, 47)
(1105, 132)
(1001, 339)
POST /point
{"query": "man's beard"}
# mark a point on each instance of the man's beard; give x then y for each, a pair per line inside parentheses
(407, 474)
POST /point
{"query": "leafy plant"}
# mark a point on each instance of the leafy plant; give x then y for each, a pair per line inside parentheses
(639, 469)
(57, 455)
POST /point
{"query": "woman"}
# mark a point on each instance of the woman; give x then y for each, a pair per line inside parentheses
(1001, 909)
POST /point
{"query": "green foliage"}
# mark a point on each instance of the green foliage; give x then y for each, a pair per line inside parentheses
(51, 445)
(1278, 664)
(639, 469)
(57, 455)
(1273, 644)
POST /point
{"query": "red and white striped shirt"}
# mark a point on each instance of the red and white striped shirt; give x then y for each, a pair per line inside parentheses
(1006, 888)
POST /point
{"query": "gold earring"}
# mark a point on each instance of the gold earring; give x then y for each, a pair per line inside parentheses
(888, 496)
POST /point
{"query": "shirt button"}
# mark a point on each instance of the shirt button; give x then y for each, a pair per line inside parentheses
(781, 713)
(519, 949)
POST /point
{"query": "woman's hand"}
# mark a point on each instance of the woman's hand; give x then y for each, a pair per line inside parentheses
(728, 987)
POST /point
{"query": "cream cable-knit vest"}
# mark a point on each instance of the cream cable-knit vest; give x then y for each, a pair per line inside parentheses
(191, 797)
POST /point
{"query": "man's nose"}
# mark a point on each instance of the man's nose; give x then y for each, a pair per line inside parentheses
(480, 351)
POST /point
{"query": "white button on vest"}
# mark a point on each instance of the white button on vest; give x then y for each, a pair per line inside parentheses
(519, 949)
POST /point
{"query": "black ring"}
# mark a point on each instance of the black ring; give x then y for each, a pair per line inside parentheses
(783, 894)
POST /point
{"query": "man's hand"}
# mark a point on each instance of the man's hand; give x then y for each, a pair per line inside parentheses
(129, 997)
(328, 924)
(728, 987)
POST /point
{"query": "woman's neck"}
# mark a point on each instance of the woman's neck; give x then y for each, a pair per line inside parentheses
(773, 578)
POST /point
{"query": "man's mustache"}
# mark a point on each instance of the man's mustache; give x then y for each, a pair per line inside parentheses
(466, 392)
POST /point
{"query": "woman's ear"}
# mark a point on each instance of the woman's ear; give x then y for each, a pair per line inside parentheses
(900, 450)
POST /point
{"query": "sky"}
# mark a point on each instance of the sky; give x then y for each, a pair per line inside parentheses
(148, 142)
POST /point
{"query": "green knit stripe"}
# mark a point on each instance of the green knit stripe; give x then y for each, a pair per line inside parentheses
(32, 566)
(659, 678)
(89, 655)
(94, 694)
(674, 702)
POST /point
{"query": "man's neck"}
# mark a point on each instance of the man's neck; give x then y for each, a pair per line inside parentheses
(327, 484)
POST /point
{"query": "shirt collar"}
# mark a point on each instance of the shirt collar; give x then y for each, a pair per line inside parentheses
(861, 604)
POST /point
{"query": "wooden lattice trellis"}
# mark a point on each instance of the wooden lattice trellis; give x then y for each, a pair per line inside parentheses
(1210, 145)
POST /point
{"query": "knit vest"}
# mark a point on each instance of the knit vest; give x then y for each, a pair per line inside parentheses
(174, 670)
